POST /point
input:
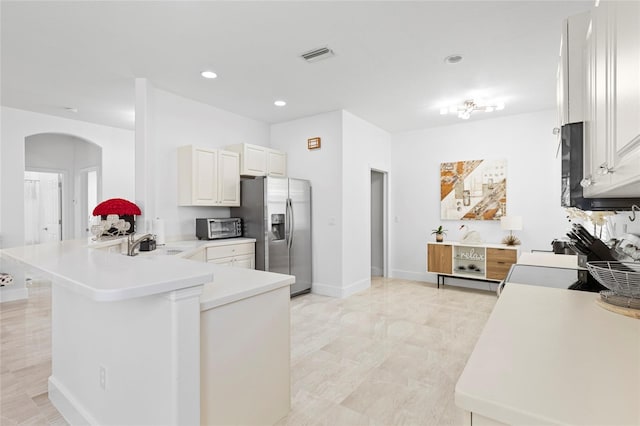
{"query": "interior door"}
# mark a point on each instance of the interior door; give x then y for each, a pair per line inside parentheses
(277, 225)
(43, 207)
(300, 240)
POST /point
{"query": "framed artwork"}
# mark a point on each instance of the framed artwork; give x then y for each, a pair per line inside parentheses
(313, 143)
(473, 190)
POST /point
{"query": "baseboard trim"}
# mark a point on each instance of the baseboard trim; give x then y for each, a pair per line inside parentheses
(326, 290)
(72, 411)
(450, 281)
(356, 287)
(340, 292)
(8, 294)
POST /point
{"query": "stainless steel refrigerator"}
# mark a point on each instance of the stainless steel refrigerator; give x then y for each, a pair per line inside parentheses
(277, 213)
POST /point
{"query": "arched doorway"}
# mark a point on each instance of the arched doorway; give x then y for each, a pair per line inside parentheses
(63, 181)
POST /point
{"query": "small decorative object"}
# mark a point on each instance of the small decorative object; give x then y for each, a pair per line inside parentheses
(440, 233)
(511, 223)
(117, 218)
(470, 237)
(313, 143)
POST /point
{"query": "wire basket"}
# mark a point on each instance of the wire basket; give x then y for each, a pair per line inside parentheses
(623, 278)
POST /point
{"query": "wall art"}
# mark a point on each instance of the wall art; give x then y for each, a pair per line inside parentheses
(473, 190)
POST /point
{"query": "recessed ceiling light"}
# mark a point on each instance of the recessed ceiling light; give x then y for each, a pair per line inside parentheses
(453, 59)
(280, 103)
(208, 74)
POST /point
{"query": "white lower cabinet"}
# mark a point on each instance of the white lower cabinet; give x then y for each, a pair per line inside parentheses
(238, 255)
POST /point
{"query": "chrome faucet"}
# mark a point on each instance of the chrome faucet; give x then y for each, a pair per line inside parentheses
(133, 243)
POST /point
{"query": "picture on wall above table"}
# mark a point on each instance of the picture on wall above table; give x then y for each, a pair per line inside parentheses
(473, 190)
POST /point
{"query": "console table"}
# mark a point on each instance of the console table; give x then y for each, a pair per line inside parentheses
(486, 262)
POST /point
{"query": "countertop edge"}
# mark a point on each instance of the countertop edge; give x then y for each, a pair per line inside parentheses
(215, 302)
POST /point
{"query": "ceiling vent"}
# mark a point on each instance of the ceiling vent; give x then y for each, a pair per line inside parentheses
(316, 55)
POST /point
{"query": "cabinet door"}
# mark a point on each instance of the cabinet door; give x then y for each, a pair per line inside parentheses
(229, 178)
(627, 77)
(499, 262)
(204, 173)
(254, 161)
(439, 258)
(276, 163)
(247, 261)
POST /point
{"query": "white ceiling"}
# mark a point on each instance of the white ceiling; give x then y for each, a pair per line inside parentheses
(388, 68)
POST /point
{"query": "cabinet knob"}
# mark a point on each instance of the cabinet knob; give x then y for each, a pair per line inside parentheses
(604, 169)
(586, 182)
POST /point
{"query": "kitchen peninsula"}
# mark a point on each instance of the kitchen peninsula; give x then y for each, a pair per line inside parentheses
(552, 356)
(137, 340)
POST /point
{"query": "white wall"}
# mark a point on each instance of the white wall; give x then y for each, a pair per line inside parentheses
(533, 184)
(340, 178)
(177, 121)
(365, 147)
(117, 162)
(323, 167)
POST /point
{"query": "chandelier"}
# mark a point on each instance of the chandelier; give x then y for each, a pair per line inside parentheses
(464, 111)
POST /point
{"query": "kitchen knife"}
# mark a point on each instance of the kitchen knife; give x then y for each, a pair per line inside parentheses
(579, 238)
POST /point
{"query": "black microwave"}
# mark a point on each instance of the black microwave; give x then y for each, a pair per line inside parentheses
(572, 136)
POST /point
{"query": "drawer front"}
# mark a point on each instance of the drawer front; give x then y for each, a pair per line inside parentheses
(499, 262)
(229, 250)
(498, 270)
(502, 255)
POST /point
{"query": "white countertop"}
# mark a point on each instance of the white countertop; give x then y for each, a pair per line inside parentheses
(553, 356)
(105, 276)
(109, 276)
(232, 284)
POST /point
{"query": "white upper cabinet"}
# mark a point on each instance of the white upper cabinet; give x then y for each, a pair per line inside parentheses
(612, 100)
(276, 163)
(571, 72)
(229, 178)
(208, 177)
(256, 160)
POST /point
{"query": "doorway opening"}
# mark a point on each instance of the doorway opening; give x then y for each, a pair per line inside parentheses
(87, 187)
(42, 207)
(379, 223)
(79, 162)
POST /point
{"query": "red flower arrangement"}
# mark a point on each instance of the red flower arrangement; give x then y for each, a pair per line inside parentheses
(117, 206)
(125, 209)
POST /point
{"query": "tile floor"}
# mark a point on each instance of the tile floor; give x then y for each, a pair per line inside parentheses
(390, 355)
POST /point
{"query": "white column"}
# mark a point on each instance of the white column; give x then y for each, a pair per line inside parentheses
(185, 346)
(144, 152)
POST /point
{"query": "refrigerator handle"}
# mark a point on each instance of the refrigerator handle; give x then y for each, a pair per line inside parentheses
(291, 225)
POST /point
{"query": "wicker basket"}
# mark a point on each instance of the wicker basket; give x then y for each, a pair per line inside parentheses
(623, 278)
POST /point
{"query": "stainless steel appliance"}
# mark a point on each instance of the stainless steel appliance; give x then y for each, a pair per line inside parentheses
(572, 175)
(277, 213)
(213, 229)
